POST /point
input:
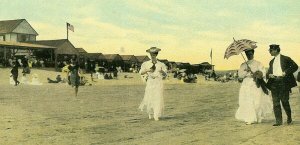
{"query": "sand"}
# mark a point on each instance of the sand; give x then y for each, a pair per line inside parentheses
(107, 113)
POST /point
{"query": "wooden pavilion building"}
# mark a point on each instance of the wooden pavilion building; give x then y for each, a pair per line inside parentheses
(129, 61)
(15, 38)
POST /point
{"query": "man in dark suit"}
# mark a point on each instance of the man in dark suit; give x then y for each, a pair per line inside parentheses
(280, 81)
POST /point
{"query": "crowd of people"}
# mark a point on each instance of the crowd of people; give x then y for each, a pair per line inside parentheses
(261, 93)
(185, 76)
(222, 77)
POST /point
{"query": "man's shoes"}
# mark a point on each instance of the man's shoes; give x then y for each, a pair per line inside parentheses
(289, 121)
(277, 124)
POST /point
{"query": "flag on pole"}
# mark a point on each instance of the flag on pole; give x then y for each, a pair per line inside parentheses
(70, 27)
(211, 53)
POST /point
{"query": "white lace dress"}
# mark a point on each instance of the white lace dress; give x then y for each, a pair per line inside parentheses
(254, 104)
(153, 101)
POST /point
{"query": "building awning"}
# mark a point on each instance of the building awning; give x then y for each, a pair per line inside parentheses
(24, 45)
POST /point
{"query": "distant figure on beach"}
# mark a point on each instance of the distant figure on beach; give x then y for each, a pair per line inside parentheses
(65, 70)
(213, 75)
(26, 69)
(280, 81)
(235, 75)
(254, 103)
(75, 76)
(58, 79)
(153, 72)
(15, 73)
(190, 78)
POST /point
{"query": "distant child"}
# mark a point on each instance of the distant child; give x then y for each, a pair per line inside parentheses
(15, 73)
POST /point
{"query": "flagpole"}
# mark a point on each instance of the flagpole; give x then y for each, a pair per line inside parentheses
(67, 32)
(211, 59)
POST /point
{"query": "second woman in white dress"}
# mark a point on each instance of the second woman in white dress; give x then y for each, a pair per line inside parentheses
(254, 104)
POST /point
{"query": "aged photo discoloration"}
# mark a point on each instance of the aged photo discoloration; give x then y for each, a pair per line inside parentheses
(149, 72)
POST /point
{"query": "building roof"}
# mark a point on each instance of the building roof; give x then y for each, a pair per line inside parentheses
(95, 56)
(24, 45)
(129, 58)
(205, 63)
(178, 63)
(81, 50)
(8, 26)
(55, 43)
(185, 63)
(182, 63)
(163, 60)
(111, 56)
(142, 58)
(126, 57)
(64, 45)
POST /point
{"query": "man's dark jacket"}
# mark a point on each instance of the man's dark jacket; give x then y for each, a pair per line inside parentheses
(289, 67)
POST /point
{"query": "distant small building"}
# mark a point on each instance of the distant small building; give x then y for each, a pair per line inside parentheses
(81, 51)
(98, 58)
(129, 61)
(95, 56)
(184, 65)
(142, 58)
(65, 49)
(114, 60)
(81, 57)
(204, 66)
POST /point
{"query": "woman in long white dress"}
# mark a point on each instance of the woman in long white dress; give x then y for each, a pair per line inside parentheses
(153, 72)
(254, 104)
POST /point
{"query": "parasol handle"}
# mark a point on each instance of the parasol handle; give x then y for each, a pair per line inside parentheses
(247, 63)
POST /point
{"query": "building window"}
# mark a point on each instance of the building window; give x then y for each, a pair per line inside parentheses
(23, 37)
(2, 38)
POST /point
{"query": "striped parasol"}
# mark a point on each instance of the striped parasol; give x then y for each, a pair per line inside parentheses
(238, 46)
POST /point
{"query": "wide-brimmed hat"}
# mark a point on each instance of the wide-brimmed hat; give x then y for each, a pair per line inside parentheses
(274, 46)
(153, 50)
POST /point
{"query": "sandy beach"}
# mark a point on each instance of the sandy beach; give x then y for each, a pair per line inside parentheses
(107, 113)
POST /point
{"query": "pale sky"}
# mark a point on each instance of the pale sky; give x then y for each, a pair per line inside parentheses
(185, 30)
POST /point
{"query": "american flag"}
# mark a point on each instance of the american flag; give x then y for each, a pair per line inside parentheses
(70, 27)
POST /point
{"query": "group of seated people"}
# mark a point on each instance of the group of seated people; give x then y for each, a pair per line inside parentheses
(104, 76)
(104, 73)
(186, 78)
(221, 78)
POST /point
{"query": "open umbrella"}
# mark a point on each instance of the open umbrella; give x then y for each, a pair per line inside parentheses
(238, 46)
